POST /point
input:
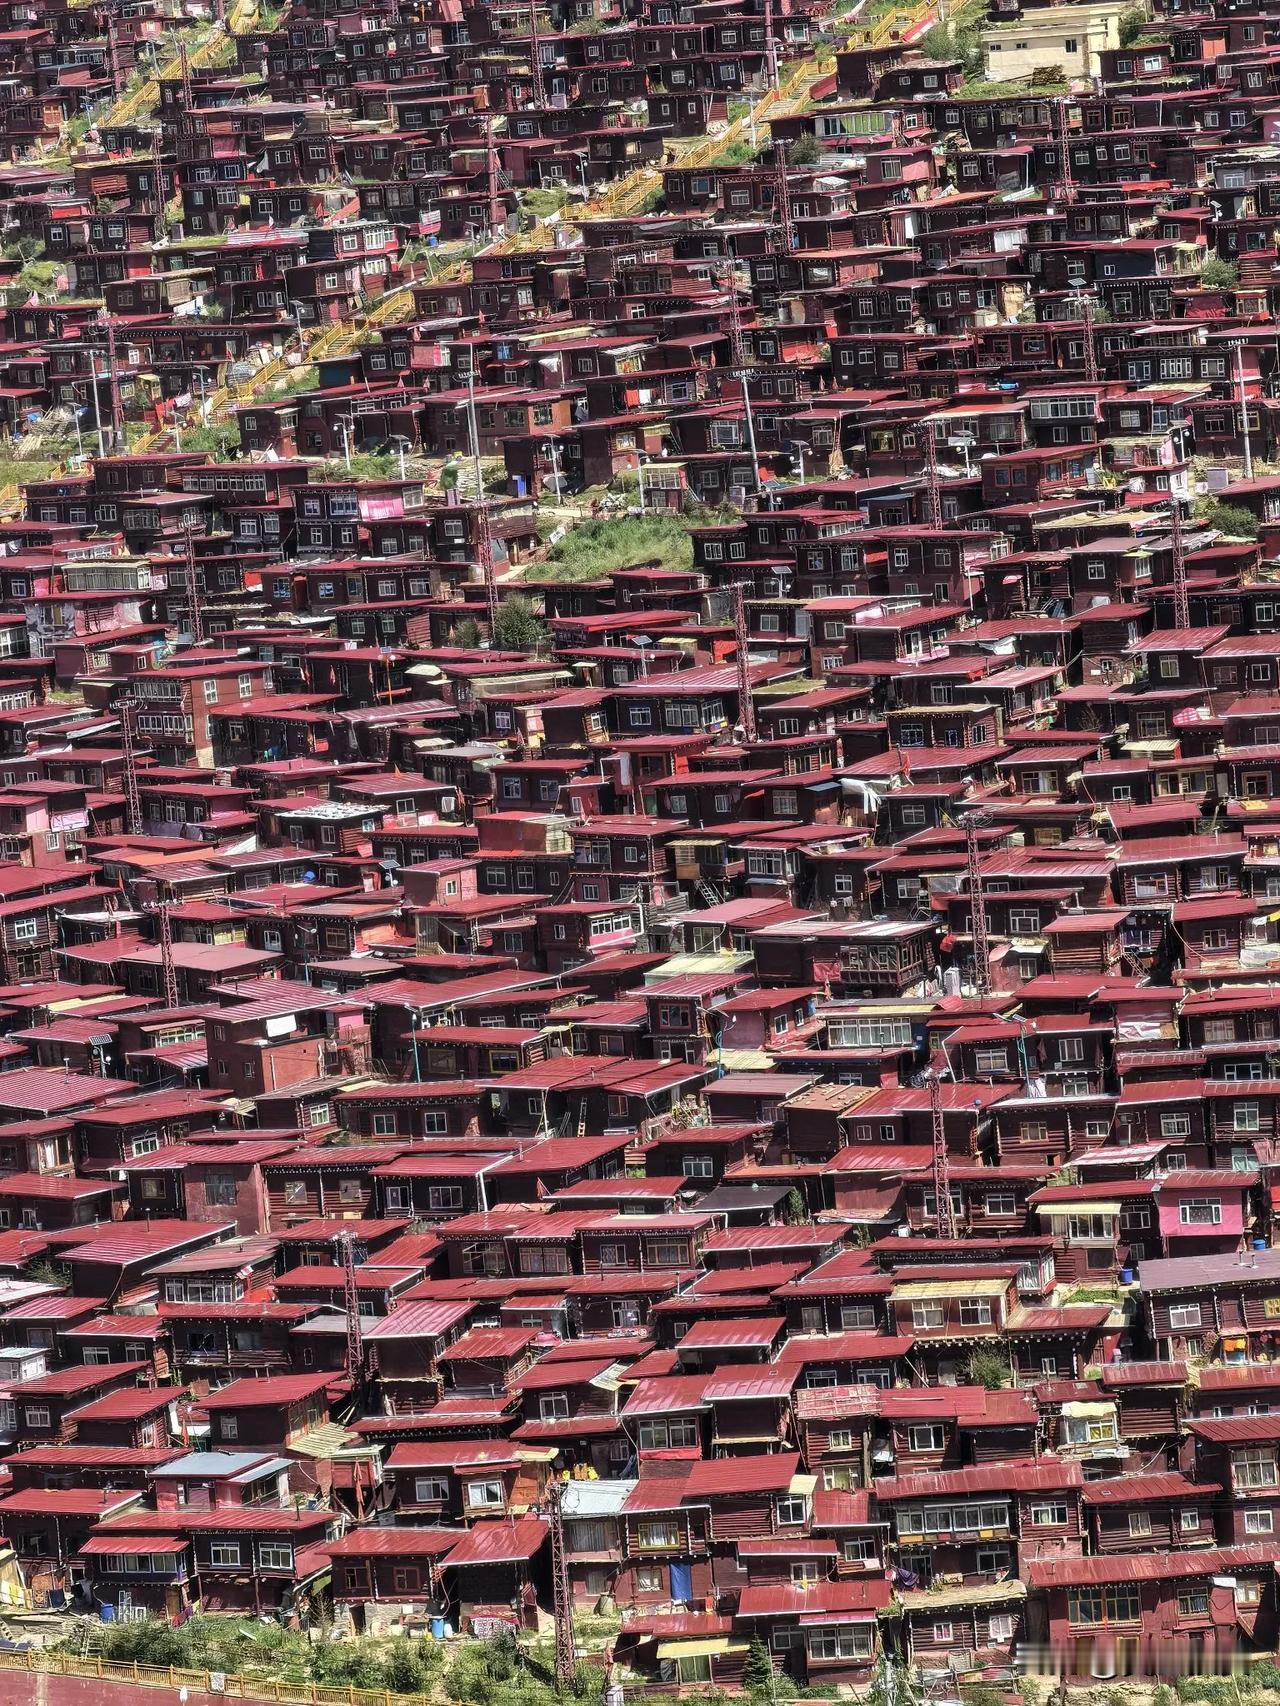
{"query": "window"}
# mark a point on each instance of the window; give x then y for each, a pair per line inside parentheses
(1183, 1316)
(1049, 1513)
(485, 1495)
(1200, 1211)
(1258, 1522)
(430, 1489)
(1094, 1606)
(1090, 1430)
(224, 1554)
(842, 1641)
(788, 1512)
(220, 1189)
(1254, 1467)
(975, 1312)
(927, 1315)
(229, 1427)
(1193, 1602)
(675, 1433)
(925, 1436)
(275, 1555)
(659, 1536)
(1139, 1523)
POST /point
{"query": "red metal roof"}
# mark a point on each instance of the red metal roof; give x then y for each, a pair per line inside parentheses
(1164, 1566)
(272, 1389)
(771, 1472)
(862, 1596)
(499, 1543)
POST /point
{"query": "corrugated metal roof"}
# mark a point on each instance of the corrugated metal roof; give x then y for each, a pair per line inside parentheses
(770, 1472)
(270, 1389)
(1043, 1475)
(1235, 1430)
(128, 1404)
(499, 1543)
(1045, 1573)
(393, 1543)
(418, 1321)
(1140, 1489)
(864, 1594)
(99, 1546)
(731, 1335)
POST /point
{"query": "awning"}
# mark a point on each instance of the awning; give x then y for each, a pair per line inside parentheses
(1078, 1408)
(1078, 1205)
(819, 1619)
(107, 1546)
(705, 1648)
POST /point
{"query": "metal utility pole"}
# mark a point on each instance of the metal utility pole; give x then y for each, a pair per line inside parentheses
(742, 660)
(944, 1218)
(484, 544)
(113, 57)
(784, 229)
(345, 1247)
(473, 429)
(97, 402)
(1244, 412)
(113, 388)
(157, 173)
(195, 609)
(770, 46)
(932, 484)
(491, 173)
(1181, 600)
(739, 369)
(561, 1603)
(169, 970)
(1090, 345)
(973, 822)
(1066, 183)
(535, 57)
(132, 798)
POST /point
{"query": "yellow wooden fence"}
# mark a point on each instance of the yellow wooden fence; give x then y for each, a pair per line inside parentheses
(232, 1687)
(891, 24)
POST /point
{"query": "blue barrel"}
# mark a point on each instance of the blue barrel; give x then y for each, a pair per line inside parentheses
(437, 1628)
(106, 1612)
(1126, 1276)
(1259, 1243)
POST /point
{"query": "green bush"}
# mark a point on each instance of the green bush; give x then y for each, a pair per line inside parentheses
(1132, 24)
(1232, 519)
(517, 626)
(989, 1368)
(1217, 274)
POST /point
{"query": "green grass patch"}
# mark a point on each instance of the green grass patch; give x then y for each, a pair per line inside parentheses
(599, 548)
